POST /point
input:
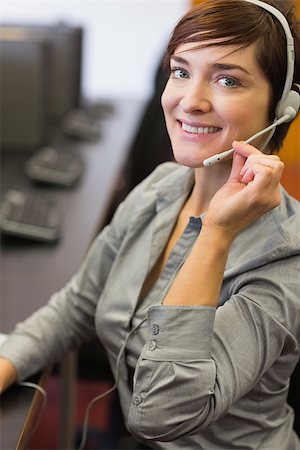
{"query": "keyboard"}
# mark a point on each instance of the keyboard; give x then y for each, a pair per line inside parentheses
(80, 125)
(29, 215)
(54, 166)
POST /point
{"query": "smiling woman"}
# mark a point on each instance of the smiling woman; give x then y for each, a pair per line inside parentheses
(193, 288)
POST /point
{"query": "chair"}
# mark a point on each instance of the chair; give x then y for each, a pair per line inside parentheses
(294, 396)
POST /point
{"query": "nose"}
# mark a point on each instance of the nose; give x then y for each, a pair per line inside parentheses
(196, 99)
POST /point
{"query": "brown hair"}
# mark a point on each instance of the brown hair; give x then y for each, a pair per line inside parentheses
(240, 23)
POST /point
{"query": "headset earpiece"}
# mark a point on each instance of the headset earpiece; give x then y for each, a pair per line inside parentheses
(289, 105)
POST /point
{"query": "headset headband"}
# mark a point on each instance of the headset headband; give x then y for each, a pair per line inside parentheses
(289, 39)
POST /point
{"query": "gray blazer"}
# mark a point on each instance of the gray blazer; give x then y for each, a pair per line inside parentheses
(204, 378)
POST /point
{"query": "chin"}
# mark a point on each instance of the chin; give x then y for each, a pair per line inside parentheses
(189, 160)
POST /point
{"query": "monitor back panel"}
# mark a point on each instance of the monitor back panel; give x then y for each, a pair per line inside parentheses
(24, 94)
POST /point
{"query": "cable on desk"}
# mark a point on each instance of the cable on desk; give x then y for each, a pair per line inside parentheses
(44, 396)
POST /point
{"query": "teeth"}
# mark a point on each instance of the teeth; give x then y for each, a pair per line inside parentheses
(200, 130)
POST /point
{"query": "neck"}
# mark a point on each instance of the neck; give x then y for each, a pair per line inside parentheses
(208, 180)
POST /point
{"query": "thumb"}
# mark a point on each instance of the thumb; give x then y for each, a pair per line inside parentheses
(237, 164)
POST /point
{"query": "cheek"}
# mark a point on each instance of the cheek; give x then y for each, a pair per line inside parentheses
(232, 110)
(244, 114)
(169, 99)
(165, 101)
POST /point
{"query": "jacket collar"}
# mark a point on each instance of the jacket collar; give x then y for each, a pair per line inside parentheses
(273, 236)
(176, 186)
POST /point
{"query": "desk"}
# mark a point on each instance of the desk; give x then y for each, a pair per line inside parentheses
(20, 411)
(31, 272)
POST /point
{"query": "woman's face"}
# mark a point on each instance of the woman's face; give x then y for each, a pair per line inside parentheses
(214, 95)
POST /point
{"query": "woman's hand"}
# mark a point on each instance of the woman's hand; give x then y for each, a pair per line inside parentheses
(251, 190)
(8, 374)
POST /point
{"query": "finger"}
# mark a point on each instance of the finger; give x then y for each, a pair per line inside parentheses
(237, 165)
(253, 171)
(242, 153)
(272, 161)
(245, 149)
(268, 173)
(265, 160)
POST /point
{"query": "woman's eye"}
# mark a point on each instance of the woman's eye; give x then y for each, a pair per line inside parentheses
(228, 82)
(177, 72)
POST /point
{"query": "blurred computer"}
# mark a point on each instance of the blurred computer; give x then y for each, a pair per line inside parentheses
(40, 77)
(24, 93)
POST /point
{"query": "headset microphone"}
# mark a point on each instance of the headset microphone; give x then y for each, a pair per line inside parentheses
(220, 156)
(288, 106)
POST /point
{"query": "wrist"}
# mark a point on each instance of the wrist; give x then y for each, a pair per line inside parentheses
(199, 280)
(220, 236)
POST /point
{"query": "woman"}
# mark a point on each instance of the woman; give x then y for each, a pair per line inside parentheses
(193, 288)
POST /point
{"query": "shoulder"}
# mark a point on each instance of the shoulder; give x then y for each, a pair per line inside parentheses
(275, 236)
(168, 180)
(165, 172)
(287, 219)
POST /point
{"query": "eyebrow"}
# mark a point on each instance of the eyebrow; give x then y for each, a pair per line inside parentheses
(217, 66)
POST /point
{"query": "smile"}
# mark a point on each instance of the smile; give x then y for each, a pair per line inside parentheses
(199, 130)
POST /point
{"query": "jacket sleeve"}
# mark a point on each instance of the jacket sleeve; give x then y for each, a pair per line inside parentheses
(67, 320)
(198, 361)
(69, 317)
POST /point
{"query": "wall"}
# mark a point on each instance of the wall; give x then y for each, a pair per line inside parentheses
(123, 42)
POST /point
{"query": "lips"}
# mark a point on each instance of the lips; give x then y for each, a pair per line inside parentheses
(199, 130)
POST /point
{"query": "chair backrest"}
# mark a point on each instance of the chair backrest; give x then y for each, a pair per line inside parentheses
(294, 396)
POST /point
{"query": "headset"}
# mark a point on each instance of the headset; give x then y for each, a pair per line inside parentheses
(288, 106)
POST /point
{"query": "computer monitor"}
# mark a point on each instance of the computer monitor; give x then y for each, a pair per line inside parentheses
(53, 54)
(65, 80)
(24, 92)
